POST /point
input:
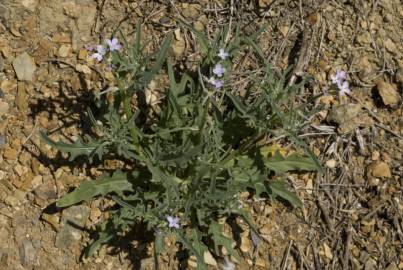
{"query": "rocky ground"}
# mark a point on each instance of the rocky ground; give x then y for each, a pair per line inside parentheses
(353, 214)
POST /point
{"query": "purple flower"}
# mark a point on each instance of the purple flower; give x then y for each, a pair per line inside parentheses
(173, 222)
(217, 83)
(218, 70)
(99, 55)
(89, 48)
(339, 77)
(223, 54)
(344, 89)
(113, 44)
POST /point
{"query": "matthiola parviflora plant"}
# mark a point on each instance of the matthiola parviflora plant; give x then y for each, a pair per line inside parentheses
(207, 144)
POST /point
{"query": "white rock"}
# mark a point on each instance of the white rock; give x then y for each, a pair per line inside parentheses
(24, 67)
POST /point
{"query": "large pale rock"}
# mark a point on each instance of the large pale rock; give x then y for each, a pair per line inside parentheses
(24, 67)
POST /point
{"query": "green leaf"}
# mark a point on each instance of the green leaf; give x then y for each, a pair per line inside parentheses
(159, 60)
(78, 148)
(159, 243)
(201, 38)
(293, 162)
(103, 238)
(118, 182)
(279, 188)
(195, 246)
(216, 230)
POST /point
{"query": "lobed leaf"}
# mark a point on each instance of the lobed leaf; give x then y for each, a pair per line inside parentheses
(79, 148)
(117, 183)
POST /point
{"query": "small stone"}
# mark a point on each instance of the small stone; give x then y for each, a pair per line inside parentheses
(192, 262)
(71, 9)
(209, 259)
(73, 217)
(24, 66)
(246, 243)
(64, 51)
(331, 163)
(61, 38)
(179, 44)
(36, 181)
(346, 116)
(82, 54)
(46, 191)
(390, 46)
(27, 253)
(379, 169)
(95, 214)
(53, 220)
(327, 251)
(83, 68)
(11, 201)
(10, 154)
(265, 3)
(3, 108)
(4, 236)
(391, 266)
(30, 4)
(21, 99)
(284, 30)
(388, 93)
(8, 86)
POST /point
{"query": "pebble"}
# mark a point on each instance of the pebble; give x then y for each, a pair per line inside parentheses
(209, 259)
(346, 116)
(21, 99)
(73, 217)
(3, 108)
(64, 51)
(388, 93)
(10, 154)
(27, 253)
(3, 140)
(46, 191)
(379, 169)
(24, 67)
(331, 163)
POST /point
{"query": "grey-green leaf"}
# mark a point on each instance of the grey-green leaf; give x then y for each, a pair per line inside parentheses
(118, 182)
(279, 188)
(294, 162)
(78, 148)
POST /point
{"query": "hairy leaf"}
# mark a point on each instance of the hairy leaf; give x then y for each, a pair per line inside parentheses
(279, 188)
(280, 164)
(216, 230)
(78, 148)
(118, 182)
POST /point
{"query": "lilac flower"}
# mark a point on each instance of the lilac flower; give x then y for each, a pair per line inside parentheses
(89, 48)
(173, 222)
(218, 70)
(99, 55)
(217, 83)
(344, 89)
(113, 44)
(339, 77)
(223, 54)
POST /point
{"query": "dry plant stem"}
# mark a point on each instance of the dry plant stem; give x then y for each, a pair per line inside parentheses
(316, 259)
(346, 256)
(287, 254)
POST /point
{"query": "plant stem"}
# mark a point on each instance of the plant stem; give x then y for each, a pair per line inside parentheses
(129, 114)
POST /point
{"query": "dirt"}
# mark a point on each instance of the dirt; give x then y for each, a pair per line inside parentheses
(353, 214)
